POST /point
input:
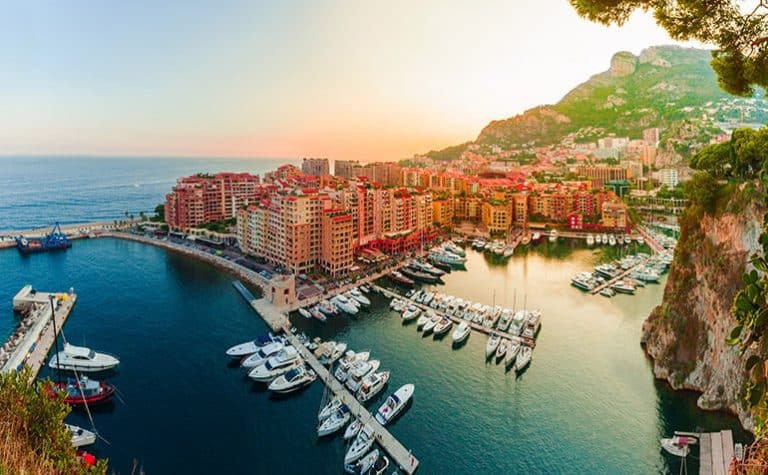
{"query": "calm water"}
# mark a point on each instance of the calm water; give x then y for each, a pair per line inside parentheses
(38, 191)
(587, 404)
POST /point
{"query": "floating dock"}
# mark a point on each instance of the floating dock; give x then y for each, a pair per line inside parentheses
(401, 456)
(30, 345)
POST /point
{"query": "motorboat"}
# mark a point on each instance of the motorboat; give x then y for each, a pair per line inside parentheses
(327, 308)
(553, 235)
(364, 465)
(608, 271)
(501, 351)
(262, 355)
(305, 313)
(509, 250)
(419, 276)
(394, 404)
(277, 365)
(623, 287)
(335, 422)
(607, 292)
(293, 380)
(492, 344)
(583, 281)
(358, 371)
(421, 321)
(427, 267)
(612, 240)
(430, 325)
(598, 239)
(411, 312)
(315, 311)
(523, 358)
(399, 278)
(372, 385)
(353, 429)
(338, 350)
(447, 257)
(362, 444)
(678, 445)
(347, 361)
(344, 304)
(512, 350)
(452, 248)
(359, 297)
(590, 240)
(442, 327)
(605, 238)
(85, 391)
(80, 358)
(81, 437)
(330, 408)
(526, 239)
(380, 466)
(461, 332)
(640, 240)
(536, 237)
(441, 265)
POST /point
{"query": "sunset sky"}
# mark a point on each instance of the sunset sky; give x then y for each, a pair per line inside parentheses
(371, 80)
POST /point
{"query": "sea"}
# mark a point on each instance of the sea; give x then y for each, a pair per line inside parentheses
(587, 404)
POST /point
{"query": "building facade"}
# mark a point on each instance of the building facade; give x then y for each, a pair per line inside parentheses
(315, 166)
(200, 199)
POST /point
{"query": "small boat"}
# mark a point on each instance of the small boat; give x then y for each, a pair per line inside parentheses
(330, 409)
(359, 297)
(334, 422)
(250, 347)
(85, 391)
(344, 304)
(327, 308)
(461, 332)
(411, 312)
(512, 350)
(430, 325)
(80, 358)
(623, 287)
(353, 429)
(598, 239)
(336, 353)
(349, 358)
(523, 358)
(420, 276)
(394, 404)
(293, 380)
(262, 355)
(364, 465)
(365, 289)
(553, 235)
(509, 250)
(358, 372)
(526, 239)
(421, 321)
(605, 238)
(501, 351)
(442, 327)
(536, 237)
(450, 247)
(492, 344)
(607, 292)
(81, 437)
(360, 446)
(640, 240)
(287, 359)
(399, 278)
(315, 311)
(612, 240)
(441, 265)
(305, 313)
(380, 466)
(590, 240)
(372, 385)
(677, 445)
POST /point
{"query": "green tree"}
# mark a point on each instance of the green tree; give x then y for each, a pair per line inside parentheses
(715, 159)
(702, 190)
(738, 29)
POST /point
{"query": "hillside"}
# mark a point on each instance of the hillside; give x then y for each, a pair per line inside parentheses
(669, 87)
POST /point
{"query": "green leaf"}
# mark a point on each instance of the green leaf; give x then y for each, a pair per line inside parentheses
(752, 361)
(753, 276)
(756, 393)
(761, 319)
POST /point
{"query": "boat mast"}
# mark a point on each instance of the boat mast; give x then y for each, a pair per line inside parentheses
(55, 336)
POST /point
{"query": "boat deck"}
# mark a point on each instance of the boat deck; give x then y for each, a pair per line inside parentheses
(401, 456)
(39, 338)
(475, 326)
(623, 274)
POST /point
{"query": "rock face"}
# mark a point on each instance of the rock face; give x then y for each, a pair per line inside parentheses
(623, 64)
(685, 335)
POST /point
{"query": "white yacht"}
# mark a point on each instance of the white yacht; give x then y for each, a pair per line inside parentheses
(612, 240)
(523, 358)
(293, 380)
(276, 365)
(82, 359)
(81, 437)
(430, 325)
(394, 404)
(347, 361)
(553, 235)
(329, 409)
(353, 429)
(461, 332)
(336, 353)
(344, 304)
(421, 321)
(501, 351)
(492, 344)
(262, 355)
(358, 371)
(598, 239)
(442, 327)
(411, 312)
(512, 350)
(305, 313)
(372, 385)
(335, 422)
(365, 464)
(360, 446)
(359, 297)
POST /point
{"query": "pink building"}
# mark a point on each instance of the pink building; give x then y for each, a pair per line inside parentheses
(200, 199)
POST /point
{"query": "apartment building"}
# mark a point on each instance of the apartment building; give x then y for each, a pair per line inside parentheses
(200, 199)
(315, 166)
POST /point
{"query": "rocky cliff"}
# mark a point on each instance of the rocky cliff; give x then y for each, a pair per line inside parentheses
(685, 335)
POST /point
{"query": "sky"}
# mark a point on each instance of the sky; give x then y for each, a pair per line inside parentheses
(354, 79)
